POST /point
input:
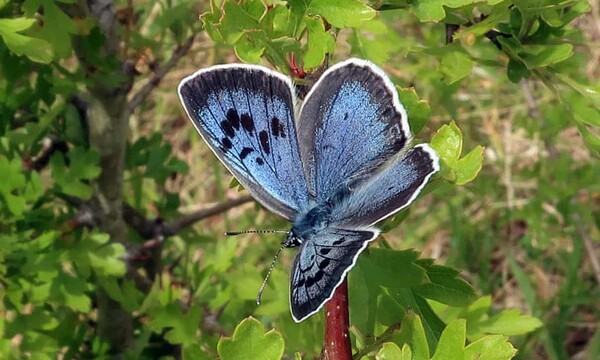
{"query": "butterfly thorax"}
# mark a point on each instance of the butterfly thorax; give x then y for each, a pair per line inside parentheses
(309, 223)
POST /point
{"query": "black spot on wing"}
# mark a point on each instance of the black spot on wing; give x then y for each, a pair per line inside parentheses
(323, 264)
(324, 251)
(340, 241)
(264, 141)
(233, 118)
(228, 129)
(275, 126)
(260, 161)
(247, 123)
(313, 280)
(227, 144)
(245, 152)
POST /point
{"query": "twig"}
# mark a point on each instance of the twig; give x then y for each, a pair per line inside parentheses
(337, 337)
(153, 229)
(173, 227)
(160, 73)
(50, 146)
(589, 247)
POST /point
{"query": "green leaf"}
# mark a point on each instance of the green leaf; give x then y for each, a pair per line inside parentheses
(391, 268)
(341, 14)
(12, 183)
(536, 56)
(319, 43)
(37, 50)
(428, 10)
(71, 291)
(452, 342)
(413, 334)
(516, 71)
(469, 166)
(510, 322)
(418, 110)
(249, 342)
(390, 351)
(248, 51)
(455, 66)
(492, 347)
(447, 142)
(57, 26)
(182, 327)
(446, 286)
(375, 41)
(236, 20)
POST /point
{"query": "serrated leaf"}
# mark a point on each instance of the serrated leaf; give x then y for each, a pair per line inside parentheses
(71, 291)
(249, 342)
(182, 327)
(319, 43)
(248, 51)
(491, 347)
(418, 110)
(236, 20)
(510, 322)
(341, 14)
(11, 185)
(452, 342)
(446, 287)
(57, 26)
(35, 49)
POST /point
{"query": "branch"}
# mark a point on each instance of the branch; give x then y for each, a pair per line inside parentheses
(173, 227)
(160, 73)
(157, 228)
(337, 337)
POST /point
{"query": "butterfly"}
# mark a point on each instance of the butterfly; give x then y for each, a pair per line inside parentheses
(334, 166)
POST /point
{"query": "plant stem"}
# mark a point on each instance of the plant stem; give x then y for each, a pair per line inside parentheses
(337, 337)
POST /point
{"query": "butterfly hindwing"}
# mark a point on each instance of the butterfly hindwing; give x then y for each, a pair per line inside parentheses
(389, 191)
(351, 122)
(321, 265)
(246, 115)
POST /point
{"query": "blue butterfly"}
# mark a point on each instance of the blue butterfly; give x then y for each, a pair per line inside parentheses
(334, 167)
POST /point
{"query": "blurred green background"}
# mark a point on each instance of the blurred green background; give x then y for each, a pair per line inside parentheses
(112, 209)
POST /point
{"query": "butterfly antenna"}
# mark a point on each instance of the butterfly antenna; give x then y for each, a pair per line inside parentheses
(234, 233)
(264, 283)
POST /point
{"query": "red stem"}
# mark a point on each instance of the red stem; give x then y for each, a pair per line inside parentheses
(337, 337)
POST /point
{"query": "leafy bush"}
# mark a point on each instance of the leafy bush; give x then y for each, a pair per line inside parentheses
(101, 175)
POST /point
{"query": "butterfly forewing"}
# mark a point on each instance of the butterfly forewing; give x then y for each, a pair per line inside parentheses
(321, 265)
(350, 124)
(388, 191)
(246, 115)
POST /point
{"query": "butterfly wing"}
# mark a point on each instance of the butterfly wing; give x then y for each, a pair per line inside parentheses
(392, 189)
(351, 122)
(245, 113)
(321, 265)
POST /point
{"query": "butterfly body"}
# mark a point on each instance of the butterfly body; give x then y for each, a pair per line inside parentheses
(334, 168)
